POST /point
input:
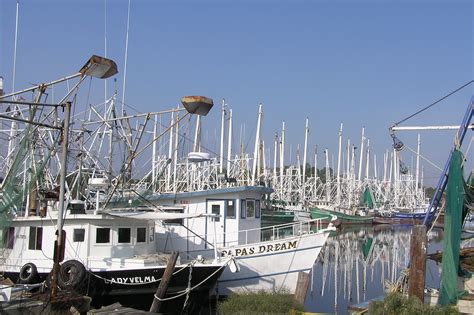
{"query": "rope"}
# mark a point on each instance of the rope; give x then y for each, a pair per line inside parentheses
(183, 292)
(424, 158)
(289, 266)
(189, 285)
(467, 151)
(437, 216)
(434, 103)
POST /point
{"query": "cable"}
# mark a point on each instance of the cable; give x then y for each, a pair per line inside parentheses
(434, 103)
(424, 158)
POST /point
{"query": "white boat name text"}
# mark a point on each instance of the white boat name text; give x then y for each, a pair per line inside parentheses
(125, 280)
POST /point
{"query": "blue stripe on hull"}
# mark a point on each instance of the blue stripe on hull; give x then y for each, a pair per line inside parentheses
(262, 276)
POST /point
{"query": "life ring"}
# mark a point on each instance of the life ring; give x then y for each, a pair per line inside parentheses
(71, 275)
(28, 273)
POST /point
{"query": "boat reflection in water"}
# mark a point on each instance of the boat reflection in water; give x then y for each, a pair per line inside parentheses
(359, 261)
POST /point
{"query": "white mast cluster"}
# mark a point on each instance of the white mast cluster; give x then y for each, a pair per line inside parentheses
(172, 169)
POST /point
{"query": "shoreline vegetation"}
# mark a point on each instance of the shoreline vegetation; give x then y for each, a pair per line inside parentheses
(399, 304)
(260, 302)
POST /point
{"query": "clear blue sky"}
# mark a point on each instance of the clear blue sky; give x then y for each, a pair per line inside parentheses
(363, 63)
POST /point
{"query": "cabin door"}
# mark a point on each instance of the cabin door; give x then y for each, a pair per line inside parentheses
(216, 207)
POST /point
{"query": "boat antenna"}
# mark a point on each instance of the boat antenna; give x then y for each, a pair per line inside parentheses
(14, 47)
(105, 46)
(126, 56)
(13, 128)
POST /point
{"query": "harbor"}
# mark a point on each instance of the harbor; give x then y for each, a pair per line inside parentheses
(131, 183)
(369, 260)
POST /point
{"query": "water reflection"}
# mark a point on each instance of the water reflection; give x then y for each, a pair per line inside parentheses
(357, 262)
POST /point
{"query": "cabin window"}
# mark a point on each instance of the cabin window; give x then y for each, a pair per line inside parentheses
(36, 238)
(124, 235)
(174, 221)
(8, 237)
(250, 204)
(216, 209)
(152, 234)
(79, 235)
(231, 209)
(243, 213)
(141, 235)
(102, 236)
(257, 208)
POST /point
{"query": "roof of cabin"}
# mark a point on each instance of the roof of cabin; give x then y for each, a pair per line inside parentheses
(212, 192)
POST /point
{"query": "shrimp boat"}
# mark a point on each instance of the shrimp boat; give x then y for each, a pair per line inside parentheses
(107, 256)
(325, 210)
(267, 258)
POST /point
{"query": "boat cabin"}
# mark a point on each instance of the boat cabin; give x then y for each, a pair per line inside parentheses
(96, 240)
(235, 209)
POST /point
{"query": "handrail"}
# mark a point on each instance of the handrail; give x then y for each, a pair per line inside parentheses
(262, 234)
(285, 225)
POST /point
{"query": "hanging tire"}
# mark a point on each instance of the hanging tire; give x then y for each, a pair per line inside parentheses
(28, 273)
(72, 275)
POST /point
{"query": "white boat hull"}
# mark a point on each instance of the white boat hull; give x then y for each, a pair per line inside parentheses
(272, 265)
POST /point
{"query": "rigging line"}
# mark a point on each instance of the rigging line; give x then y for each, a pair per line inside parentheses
(155, 207)
(128, 105)
(424, 158)
(434, 103)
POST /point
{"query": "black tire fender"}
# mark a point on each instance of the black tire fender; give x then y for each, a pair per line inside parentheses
(28, 273)
(71, 275)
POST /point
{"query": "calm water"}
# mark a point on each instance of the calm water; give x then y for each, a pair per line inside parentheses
(358, 261)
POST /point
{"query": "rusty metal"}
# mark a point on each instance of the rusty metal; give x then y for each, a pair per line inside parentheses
(199, 105)
(99, 67)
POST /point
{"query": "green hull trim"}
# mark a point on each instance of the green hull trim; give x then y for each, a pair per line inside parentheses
(317, 213)
(270, 217)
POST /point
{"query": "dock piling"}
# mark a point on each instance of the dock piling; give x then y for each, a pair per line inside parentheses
(165, 280)
(302, 286)
(416, 278)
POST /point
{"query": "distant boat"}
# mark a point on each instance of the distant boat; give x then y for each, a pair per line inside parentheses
(272, 217)
(347, 216)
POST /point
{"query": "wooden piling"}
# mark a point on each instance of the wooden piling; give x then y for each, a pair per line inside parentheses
(416, 278)
(302, 286)
(165, 280)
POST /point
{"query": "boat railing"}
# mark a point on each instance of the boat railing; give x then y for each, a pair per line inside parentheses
(255, 235)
